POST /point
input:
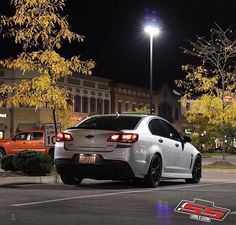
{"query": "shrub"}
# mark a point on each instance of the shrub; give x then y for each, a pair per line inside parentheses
(7, 163)
(33, 163)
(21, 157)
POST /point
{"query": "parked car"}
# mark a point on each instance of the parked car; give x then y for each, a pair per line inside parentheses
(126, 147)
(25, 140)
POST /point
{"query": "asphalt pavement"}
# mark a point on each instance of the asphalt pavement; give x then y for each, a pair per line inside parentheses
(106, 203)
(46, 201)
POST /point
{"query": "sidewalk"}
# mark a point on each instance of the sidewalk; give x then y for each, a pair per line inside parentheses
(219, 175)
(208, 175)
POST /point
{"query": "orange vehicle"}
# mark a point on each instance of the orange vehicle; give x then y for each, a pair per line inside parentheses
(25, 140)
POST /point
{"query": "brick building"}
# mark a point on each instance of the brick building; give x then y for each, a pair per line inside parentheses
(92, 95)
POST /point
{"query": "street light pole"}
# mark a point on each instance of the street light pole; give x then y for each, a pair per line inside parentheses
(151, 50)
(152, 31)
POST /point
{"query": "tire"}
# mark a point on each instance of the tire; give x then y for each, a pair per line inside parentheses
(153, 177)
(70, 180)
(197, 171)
(2, 153)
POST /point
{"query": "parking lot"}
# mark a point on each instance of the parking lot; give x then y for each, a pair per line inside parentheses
(105, 202)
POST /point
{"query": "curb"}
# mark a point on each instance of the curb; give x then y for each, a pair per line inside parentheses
(30, 180)
(219, 170)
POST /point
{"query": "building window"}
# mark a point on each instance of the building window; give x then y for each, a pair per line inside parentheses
(119, 107)
(71, 80)
(69, 100)
(92, 92)
(89, 84)
(119, 90)
(99, 106)
(129, 92)
(3, 97)
(187, 106)
(133, 106)
(85, 104)
(85, 92)
(124, 91)
(103, 87)
(77, 90)
(92, 105)
(77, 103)
(134, 92)
(99, 94)
(106, 106)
(127, 106)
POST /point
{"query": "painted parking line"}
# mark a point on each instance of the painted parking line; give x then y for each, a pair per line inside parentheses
(112, 194)
(205, 190)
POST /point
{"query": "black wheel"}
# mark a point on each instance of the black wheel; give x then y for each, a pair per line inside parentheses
(2, 153)
(197, 171)
(153, 177)
(71, 180)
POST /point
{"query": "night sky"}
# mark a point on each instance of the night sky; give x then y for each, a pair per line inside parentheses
(116, 41)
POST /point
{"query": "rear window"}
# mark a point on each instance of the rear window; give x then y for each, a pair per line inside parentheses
(110, 123)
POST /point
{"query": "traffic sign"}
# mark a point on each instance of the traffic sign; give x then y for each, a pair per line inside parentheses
(50, 136)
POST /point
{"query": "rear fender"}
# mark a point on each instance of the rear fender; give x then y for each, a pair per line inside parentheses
(153, 151)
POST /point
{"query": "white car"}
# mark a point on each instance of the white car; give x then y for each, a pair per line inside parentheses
(126, 147)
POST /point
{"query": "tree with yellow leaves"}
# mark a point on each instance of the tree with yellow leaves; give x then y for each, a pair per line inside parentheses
(212, 84)
(40, 29)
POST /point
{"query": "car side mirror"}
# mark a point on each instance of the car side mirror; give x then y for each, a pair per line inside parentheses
(13, 139)
(187, 139)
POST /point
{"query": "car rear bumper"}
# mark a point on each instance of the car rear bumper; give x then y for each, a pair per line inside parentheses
(104, 169)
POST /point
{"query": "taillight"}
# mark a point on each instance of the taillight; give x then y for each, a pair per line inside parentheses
(124, 138)
(64, 137)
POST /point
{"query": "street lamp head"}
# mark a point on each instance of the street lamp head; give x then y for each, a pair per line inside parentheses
(151, 30)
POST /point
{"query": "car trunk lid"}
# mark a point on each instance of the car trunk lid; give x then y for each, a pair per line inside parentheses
(90, 140)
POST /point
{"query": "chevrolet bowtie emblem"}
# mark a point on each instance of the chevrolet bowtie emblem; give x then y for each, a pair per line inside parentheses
(89, 136)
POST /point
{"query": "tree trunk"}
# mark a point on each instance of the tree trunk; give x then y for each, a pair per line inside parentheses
(223, 148)
(54, 120)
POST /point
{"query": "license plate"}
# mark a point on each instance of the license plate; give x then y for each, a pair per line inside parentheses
(87, 158)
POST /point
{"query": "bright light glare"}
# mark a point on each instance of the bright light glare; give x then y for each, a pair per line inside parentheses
(152, 30)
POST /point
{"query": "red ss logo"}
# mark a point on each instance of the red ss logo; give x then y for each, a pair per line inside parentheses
(201, 210)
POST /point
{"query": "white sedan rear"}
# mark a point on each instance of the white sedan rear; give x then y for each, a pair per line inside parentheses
(126, 147)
